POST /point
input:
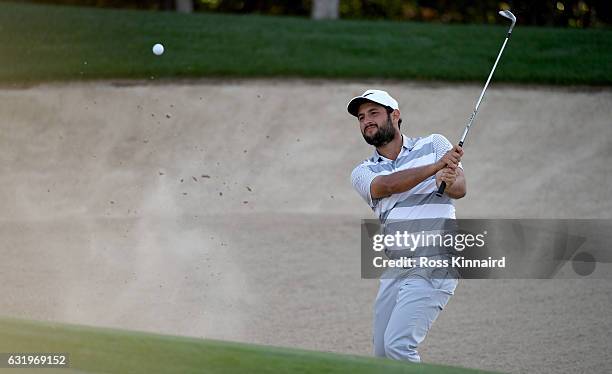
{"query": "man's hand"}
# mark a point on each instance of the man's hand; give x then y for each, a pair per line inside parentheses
(447, 175)
(450, 159)
(455, 182)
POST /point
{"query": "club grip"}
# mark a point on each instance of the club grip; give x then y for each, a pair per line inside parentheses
(441, 189)
(443, 184)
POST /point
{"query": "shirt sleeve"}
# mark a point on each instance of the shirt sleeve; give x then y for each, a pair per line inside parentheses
(362, 178)
(441, 146)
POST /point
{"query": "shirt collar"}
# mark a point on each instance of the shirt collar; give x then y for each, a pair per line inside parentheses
(407, 143)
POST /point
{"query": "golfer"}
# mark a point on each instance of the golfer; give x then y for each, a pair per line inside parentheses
(399, 182)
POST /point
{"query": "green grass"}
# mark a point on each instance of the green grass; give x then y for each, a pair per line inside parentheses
(95, 350)
(43, 43)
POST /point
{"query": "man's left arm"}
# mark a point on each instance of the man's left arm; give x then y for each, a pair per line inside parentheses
(455, 182)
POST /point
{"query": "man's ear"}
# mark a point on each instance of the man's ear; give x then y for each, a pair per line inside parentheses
(395, 115)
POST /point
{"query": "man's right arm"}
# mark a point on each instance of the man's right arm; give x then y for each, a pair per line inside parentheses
(404, 180)
(400, 181)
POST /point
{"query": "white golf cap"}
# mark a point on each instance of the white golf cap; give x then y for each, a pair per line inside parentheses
(375, 96)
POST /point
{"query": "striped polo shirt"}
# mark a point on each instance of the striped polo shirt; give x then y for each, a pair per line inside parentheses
(421, 201)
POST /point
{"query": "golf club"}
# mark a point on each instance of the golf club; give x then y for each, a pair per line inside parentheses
(507, 14)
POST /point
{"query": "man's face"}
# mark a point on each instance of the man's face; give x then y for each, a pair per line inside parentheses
(375, 123)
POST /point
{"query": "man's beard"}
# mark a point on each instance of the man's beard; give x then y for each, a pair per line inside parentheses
(383, 136)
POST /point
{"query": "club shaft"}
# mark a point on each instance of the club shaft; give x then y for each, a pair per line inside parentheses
(491, 74)
(473, 115)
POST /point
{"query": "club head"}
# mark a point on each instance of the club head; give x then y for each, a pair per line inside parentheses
(508, 14)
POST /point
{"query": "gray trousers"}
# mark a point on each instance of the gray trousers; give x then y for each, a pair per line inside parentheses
(404, 311)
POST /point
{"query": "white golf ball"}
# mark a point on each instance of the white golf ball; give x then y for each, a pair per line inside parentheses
(158, 49)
